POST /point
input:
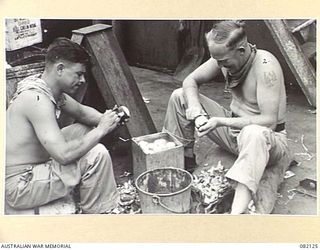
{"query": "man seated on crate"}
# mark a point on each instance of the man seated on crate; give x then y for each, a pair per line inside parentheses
(254, 129)
(43, 162)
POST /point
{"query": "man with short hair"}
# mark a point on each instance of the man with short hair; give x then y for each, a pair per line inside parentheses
(45, 163)
(254, 128)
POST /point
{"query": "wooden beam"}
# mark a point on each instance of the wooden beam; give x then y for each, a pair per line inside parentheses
(303, 25)
(298, 63)
(114, 78)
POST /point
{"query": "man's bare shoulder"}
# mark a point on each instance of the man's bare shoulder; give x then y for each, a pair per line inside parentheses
(30, 101)
(265, 59)
(268, 72)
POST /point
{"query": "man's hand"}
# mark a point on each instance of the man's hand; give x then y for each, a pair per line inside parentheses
(108, 121)
(207, 127)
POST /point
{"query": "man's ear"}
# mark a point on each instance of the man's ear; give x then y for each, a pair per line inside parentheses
(241, 49)
(60, 68)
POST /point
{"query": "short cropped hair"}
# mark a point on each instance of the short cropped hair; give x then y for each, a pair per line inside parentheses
(64, 49)
(230, 32)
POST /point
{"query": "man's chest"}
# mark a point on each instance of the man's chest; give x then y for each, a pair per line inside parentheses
(246, 91)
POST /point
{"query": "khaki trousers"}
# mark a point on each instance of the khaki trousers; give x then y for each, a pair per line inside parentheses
(29, 186)
(256, 146)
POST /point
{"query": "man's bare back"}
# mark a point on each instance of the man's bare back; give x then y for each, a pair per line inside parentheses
(22, 144)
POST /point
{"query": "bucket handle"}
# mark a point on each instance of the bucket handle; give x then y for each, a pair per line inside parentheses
(157, 200)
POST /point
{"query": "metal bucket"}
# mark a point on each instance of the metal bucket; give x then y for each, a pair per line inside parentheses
(165, 190)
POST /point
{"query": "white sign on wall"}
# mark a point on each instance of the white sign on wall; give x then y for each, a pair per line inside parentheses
(22, 32)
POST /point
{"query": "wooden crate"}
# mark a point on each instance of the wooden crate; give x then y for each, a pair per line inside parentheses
(172, 157)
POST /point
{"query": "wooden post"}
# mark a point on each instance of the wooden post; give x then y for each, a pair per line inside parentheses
(298, 63)
(114, 78)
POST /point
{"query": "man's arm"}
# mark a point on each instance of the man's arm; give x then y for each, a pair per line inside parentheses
(204, 73)
(269, 80)
(40, 112)
(81, 113)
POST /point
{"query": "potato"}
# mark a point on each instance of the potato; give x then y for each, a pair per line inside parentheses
(200, 121)
(160, 142)
(170, 144)
(143, 144)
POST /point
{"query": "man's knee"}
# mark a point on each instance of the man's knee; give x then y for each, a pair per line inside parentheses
(176, 95)
(101, 151)
(97, 158)
(75, 130)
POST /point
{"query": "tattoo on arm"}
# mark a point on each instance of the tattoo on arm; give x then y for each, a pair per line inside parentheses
(270, 78)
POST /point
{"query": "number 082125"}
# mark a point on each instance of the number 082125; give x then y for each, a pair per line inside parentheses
(309, 246)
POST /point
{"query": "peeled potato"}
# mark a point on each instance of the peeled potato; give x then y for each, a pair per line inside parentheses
(170, 144)
(143, 144)
(200, 121)
(148, 151)
(160, 142)
(156, 146)
(151, 146)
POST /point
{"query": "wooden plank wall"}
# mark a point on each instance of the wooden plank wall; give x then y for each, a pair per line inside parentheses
(152, 43)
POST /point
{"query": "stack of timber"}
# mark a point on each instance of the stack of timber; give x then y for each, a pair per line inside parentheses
(18, 73)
